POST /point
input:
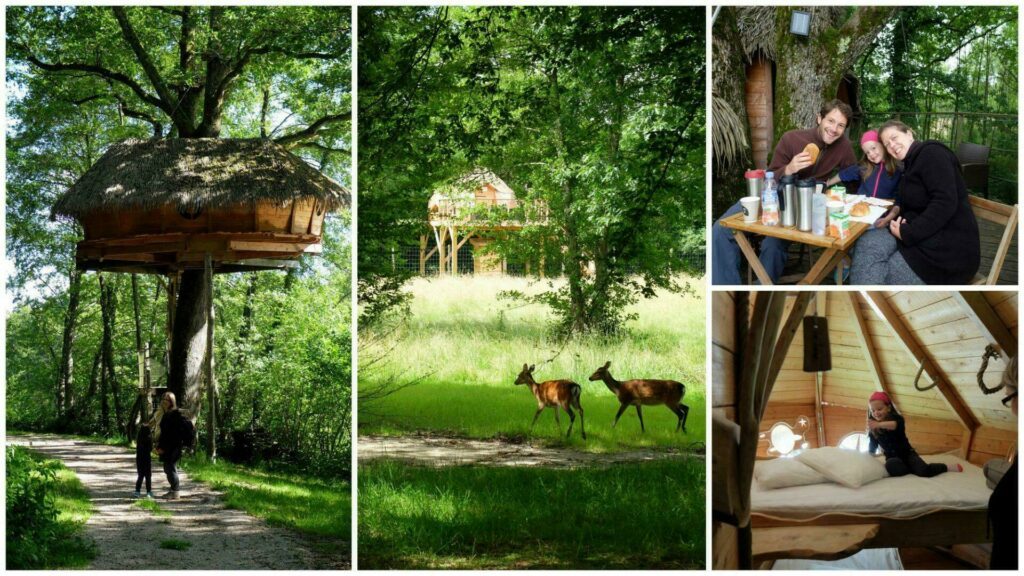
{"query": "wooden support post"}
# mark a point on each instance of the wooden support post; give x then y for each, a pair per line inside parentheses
(442, 252)
(455, 250)
(867, 345)
(423, 254)
(211, 382)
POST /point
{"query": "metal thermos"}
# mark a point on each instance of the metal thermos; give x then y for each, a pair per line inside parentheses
(789, 205)
(755, 182)
(805, 193)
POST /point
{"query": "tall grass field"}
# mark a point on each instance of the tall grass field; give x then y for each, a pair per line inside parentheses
(460, 348)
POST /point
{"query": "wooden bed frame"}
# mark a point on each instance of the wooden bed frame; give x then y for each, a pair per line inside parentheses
(836, 536)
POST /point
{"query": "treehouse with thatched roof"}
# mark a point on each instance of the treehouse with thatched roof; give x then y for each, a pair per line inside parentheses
(465, 217)
(162, 206)
(186, 209)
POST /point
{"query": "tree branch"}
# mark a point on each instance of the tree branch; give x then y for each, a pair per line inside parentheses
(93, 70)
(128, 32)
(321, 147)
(290, 140)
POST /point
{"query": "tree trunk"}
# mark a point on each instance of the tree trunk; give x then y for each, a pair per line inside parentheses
(902, 84)
(808, 71)
(66, 375)
(108, 311)
(188, 348)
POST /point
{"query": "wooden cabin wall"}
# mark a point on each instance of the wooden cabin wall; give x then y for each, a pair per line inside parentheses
(926, 435)
(723, 354)
(991, 443)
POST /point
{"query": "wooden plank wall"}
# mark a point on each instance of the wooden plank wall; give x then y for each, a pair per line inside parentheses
(723, 354)
(991, 443)
(926, 435)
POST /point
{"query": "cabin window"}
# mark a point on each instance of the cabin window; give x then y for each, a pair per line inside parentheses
(855, 441)
(783, 438)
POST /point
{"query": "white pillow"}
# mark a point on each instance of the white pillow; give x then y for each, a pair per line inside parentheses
(786, 472)
(847, 467)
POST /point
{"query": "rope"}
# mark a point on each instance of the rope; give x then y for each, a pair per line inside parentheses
(990, 352)
(918, 377)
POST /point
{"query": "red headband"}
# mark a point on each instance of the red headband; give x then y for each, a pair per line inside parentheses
(880, 396)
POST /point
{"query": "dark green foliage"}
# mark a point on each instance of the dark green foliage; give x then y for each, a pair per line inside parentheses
(950, 72)
(38, 535)
(622, 517)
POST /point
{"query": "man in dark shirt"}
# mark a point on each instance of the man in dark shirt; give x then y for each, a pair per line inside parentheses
(836, 153)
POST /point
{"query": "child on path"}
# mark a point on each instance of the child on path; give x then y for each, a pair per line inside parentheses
(144, 461)
(886, 429)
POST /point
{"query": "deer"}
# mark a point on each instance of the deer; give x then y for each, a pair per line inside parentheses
(564, 394)
(645, 393)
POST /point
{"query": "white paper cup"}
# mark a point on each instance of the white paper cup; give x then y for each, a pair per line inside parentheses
(834, 206)
(751, 208)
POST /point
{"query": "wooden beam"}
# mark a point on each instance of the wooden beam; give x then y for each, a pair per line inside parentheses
(752, 259)
(905, 336)
(793, 322)
(992, 327)
(867, 346)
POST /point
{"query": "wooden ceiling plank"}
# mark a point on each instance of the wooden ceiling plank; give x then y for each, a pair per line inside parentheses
(867, 346)
(906, 337)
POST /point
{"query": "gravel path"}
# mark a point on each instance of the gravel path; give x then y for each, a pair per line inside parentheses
(445, 451)
(128, 537)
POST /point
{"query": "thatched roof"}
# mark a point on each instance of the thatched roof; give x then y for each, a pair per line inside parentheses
(210, 172)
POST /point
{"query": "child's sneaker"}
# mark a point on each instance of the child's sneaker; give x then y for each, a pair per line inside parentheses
(137, 494)
(150, 495)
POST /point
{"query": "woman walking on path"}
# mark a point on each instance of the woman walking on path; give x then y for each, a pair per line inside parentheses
(170, 427)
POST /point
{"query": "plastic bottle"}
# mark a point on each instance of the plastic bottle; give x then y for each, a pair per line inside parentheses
(819, 214)
(770, 201)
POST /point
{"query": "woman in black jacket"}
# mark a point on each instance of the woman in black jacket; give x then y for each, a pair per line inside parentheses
(934, 236)
(1002, 505)
(170, 440)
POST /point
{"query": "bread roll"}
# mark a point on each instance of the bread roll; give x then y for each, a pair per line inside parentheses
(860, 209)
(813, 150)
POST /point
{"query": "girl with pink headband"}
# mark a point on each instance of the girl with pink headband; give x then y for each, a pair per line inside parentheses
(878, 173)
(887, 430)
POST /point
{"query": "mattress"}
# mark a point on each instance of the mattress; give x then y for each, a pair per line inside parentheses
(900, 498)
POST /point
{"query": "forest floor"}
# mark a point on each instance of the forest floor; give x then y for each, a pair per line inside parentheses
(194, 532)
(432, 450)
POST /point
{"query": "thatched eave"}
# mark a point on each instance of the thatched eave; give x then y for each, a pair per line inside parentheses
(202, 172)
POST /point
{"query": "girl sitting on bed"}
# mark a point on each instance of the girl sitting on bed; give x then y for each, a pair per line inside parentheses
(886, 429)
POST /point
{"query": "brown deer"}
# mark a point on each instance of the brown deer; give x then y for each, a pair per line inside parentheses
(645, 392)
(564, 394)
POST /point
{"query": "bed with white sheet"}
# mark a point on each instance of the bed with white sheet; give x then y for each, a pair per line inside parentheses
(950, 508)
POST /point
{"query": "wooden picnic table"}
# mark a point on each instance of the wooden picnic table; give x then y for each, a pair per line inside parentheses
(832, 257)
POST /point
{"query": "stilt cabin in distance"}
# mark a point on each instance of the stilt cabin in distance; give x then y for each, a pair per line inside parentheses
(940, 356)
(464, 219)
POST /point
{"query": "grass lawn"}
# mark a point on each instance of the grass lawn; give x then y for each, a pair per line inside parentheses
(312, 506)
(648, 515)
(463, 347)
(65, 546)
